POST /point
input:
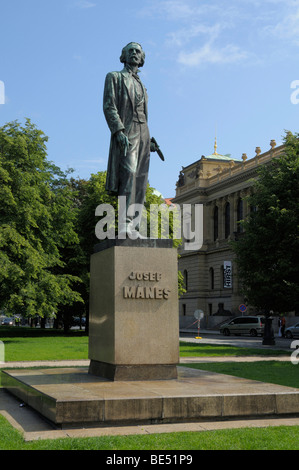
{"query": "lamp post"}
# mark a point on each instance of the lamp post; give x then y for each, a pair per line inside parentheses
(268, 331)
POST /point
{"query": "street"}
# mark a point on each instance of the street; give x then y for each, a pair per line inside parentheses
(239, 341)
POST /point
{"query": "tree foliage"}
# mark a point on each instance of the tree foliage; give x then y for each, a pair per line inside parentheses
(36, 225)
(267, 253)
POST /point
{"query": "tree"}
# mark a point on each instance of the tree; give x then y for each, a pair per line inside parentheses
(36, 225)
(267, 253)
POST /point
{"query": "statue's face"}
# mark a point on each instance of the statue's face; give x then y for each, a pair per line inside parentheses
(133, 54)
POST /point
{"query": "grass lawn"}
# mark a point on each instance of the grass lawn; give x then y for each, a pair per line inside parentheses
(45, 349)
(33, 344)
(202, 349)
(271, 438)
(281, 373)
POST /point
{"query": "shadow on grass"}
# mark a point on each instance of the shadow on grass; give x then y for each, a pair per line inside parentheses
(27, 332)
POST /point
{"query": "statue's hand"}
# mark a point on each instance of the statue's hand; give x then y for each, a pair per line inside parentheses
(153, 147)
(123, 142)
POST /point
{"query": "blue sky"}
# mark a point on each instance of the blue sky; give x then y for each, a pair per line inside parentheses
(210, 65)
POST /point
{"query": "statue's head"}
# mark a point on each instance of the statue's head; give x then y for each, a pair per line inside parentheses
(133, 52)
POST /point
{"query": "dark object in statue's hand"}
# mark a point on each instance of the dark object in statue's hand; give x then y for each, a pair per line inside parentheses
(155, 148)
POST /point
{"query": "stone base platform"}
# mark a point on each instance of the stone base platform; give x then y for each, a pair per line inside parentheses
(73, 396)
(133, 372)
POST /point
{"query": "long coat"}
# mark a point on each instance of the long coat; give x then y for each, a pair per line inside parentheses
(118, 106)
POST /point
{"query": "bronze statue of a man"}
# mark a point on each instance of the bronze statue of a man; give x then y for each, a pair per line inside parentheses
(126, 112)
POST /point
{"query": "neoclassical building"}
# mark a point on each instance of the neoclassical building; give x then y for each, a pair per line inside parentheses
(220, 183)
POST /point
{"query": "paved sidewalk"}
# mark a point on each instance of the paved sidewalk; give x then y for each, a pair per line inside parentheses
(215, 338)
(233, 359)
(85, 363)
(28, 364)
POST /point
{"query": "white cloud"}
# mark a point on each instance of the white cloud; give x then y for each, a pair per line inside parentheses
(175, 9)
(280, 18)
(184, 11)
(209, 54)
(168, 9)
(2, 92)
(83, 4)
(182, 36)
(218, 32)
(206, 23)
(287, 27)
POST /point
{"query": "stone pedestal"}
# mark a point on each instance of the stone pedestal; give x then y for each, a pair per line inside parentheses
(133, 322)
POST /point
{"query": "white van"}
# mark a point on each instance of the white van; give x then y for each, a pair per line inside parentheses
(246, 325)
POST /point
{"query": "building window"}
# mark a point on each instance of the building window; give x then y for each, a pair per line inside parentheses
(186, 279)
(239, 215)
(227, 220)
(215, 223)
(222, 277)
(211, 272)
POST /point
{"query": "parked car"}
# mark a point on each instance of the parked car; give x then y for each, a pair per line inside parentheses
(246, 325)
(292, 331)
(76, 321)
(7, 321)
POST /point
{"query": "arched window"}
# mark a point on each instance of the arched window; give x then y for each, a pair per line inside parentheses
(227, 220)
(211, 276)
(239, 215)
(215, 223)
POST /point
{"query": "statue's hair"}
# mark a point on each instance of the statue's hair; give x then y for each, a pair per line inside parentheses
(123, 54)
